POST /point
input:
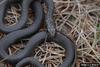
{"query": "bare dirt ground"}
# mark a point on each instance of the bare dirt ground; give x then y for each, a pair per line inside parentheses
(78, 19)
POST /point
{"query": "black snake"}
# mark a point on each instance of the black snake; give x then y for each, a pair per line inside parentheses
(37, 39)
(60, 39)
(12, 37)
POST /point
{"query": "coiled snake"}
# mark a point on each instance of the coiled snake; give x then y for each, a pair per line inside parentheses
(38, 38)
(12, 37)
(60, 39)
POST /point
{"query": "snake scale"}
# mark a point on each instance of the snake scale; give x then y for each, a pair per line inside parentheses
(22, 58)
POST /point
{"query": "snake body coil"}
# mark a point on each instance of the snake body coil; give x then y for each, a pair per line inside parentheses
(60, 39)
(23, 19)
(37, 39)
(12, 37)
(29, 60)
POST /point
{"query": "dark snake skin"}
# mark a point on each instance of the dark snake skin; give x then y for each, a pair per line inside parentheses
(37, 39)
(14, 36)
(23, 19)
(60, 39)
(49, 17)
(29, 60)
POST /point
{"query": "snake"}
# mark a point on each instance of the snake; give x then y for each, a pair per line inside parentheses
(22, 20)
(29, 60)
(60, 39)
(12, 37)
(38, 38)
(49, 17)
